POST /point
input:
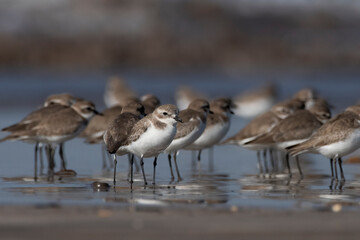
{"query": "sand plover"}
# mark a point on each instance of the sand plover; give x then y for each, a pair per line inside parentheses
(295, 129)
(57, 127)
(150, 136)
(192, 126)
(53, 103)
(217, 125)
(150, 102)
(253, 103)
(120, 129)
(263, 124)
(335, 139)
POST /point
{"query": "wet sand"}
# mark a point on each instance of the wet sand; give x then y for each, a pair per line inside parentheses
(61, 222)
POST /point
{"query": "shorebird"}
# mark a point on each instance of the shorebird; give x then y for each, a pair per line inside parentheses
(147, 138)
(56, 128)
(253, 103)
(120, 129)
(117, 92)
(295, 129)
(306, 95)
(150, 103)
(263, 124)
(192, 126)
(335, 139)
(53, 103)
(217, 125)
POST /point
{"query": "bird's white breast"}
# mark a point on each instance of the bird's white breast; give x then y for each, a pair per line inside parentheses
(341, 148)
(153, 141)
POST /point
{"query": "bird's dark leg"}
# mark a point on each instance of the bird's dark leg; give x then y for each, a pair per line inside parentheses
(335, 168)
(61, 153)
(177, 169)
(154, 173)
(341, 169)
(259, 165)
(41, 159)
(142, 169)
(171, 169)
(332, 168)
(36, 158)
(199, 156)
(51, 153)
(115, 162)
(131, 170)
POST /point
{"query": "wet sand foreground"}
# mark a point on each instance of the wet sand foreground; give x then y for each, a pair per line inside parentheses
(71, 222)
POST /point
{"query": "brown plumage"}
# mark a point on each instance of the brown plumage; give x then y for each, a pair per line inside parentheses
(301, 125)
(119, 129)
(265, 122)
(305, 94)
(98, 125)
(53, 103)
(335, 130)
(63, 122)
(191, 117)
(218, 107)
(141, 126)
(257, 127)
(150, 102)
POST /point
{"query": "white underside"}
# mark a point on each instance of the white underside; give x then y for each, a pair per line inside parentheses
(342, 148)
(61, 138)
(244, 142)
(283, 145)
(211, 136)
(152, 142)
(253, 108)
(180, 143)
(98, 134)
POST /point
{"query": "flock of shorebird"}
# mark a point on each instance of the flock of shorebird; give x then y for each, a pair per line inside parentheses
(144, 128)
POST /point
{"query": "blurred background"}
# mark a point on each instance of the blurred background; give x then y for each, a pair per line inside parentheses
(179, 34)
(184, 42)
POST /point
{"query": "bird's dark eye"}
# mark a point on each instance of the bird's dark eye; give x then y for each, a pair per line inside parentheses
(165, 113)
(89, 109)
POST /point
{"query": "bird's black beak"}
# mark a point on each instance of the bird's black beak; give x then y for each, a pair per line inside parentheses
(211, 112)
(98, 113)
(230, 111)
(177, 119)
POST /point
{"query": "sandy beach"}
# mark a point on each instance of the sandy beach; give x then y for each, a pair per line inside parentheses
(61, 222)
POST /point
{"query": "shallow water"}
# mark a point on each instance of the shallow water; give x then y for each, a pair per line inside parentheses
(231, 180)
